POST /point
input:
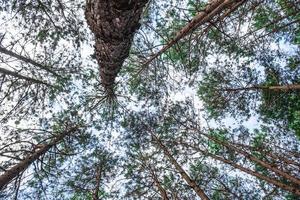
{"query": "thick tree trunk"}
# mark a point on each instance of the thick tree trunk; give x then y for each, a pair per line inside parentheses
(113, 23)
(27, 60)
(19, 76)
(13, 172)
(181, 171)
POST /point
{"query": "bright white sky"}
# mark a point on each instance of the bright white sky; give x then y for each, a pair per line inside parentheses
(179, 95)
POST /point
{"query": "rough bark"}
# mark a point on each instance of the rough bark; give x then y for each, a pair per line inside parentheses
(19, 76)
(13, 172)
(181, 171)
(113, 23)
(213, 9)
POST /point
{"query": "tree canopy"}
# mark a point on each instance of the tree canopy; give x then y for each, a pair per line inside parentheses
(143, 99)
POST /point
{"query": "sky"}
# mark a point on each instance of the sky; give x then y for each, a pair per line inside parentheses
(180, 94)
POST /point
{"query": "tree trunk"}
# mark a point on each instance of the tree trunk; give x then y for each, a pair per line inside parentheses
(285, 87)
(17, 75)
(163, 192)
(181, 171)
(287, 158)
(98, 180)
(246, 170)
(258, 87)
(27, 60)
(13, 172)
(113, 23)
(214, 8)
(247, 155)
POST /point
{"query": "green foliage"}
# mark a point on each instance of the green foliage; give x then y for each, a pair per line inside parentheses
(217, 195)
(168, 180)
(272, 21)
(295, 123)
(293, 63)
(260, 145)
(220, 135)
(263, 17)
(217, 91)
(195, 6)
(82, 196)
(283, 107)
(208, 92)
(259, 139)
(291, 197)
(230, 59)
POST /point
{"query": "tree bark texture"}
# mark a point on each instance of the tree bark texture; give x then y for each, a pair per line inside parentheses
(113, 23)
(13, 172)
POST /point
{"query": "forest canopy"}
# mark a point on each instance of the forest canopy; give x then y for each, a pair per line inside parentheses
(145, 99)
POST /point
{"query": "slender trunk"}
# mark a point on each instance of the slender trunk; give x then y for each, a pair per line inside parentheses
(258, 87)
(17, 75)
(113, 23)
(98, 180)
(246, 170)
(285, 87)
(212, 9)
(255, 159)
(162, 191)
(287, 158)
(27, 60)
(13, 172)
(181, 171)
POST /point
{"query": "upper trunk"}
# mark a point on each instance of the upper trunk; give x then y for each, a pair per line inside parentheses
(281, 184)
(214, 8)
(192, 183)
(261, 87)
(98, 180)
(162, 191)
(113, 23)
